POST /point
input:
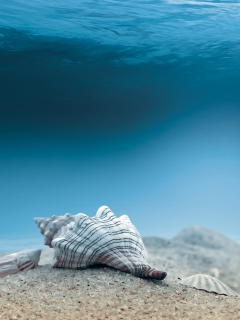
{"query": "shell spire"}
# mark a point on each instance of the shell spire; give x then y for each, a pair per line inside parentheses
(19, 261)
(49, 227)
(103, 239)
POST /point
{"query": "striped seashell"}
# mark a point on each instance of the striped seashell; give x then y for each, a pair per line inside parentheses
(49, 227)
(208, 283)
(101, 240)
(19, 261)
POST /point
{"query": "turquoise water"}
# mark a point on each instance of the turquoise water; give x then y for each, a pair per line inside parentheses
(132, 104)
(143, 30)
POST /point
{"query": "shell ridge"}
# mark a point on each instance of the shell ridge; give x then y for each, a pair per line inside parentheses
(219, 287)
(99, 254)
(87, 247)
(124, 218)
(92, 244)
(93, 231)
(118, 258)
(208, 283)
(104, 211)
(107, 213)
(110, 247)
(110, 243)
(101, 210)
(104, 221)
(73, 240)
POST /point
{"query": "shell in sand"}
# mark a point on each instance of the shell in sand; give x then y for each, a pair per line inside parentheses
(19, 261)
(103, 239)
(208, 283)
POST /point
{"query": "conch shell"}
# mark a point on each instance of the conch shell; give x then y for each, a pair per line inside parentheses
(80, 241)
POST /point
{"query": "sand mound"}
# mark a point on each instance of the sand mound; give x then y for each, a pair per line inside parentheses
(197, 250)
(203, 237)
(46, 293)
(105, 293)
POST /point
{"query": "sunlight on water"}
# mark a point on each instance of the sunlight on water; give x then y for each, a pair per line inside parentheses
(158, 27)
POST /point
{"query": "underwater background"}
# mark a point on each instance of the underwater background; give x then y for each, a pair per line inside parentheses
(130, 104)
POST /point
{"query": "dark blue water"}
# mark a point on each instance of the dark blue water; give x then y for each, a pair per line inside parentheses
(132, 104)
(98, 46)
(160, 54)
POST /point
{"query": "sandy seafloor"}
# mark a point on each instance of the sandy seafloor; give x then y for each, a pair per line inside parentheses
(106, 293)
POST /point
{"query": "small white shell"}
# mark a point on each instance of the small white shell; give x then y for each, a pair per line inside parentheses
(215, 272)
(207, 283)
(19, 261)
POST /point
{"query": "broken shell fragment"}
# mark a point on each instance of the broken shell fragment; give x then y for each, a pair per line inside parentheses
(19, 261)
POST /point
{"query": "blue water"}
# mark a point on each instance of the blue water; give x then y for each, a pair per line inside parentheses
(143, 30)
(132, 104)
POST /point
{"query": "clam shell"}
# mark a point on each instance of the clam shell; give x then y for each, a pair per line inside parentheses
(208, 283)
(102, 239)
(19, 261)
